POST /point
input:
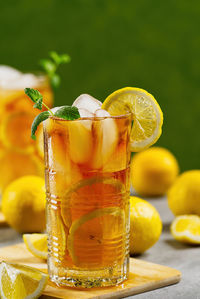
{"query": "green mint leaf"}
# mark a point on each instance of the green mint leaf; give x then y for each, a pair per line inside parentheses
(55, 81)
(58, 59)
(51, 65)
(55, 57)
(38, 104)
(37, 98)
(48, 65)
(38, 119)
(67, 112)
(65, 58)
(34, 94)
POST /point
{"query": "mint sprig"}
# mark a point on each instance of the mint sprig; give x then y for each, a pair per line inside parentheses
(37, 98)
(64, 112)
(51, 65)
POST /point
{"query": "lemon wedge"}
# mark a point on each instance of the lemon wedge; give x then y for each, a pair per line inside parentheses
(21, 282)
(36, 244)
(186, 229)
(147, 115)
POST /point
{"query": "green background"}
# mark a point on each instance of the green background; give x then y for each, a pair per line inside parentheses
(154, 45)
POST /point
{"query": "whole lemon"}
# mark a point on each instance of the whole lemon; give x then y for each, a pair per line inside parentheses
(145, 225)
(23, 204)
(184, 195)
(153, 171)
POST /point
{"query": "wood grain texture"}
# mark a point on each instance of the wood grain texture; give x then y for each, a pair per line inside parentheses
(144, 276)
(2, 220)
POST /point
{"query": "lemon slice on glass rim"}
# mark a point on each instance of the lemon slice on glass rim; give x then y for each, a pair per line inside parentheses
(147, 115)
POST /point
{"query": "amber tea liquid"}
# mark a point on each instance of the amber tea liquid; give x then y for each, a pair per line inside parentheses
(19, 155)
(87, 165)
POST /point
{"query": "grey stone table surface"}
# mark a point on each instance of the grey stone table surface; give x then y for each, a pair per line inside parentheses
(167, 252)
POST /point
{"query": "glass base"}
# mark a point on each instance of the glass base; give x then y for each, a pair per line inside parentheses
(90, 279)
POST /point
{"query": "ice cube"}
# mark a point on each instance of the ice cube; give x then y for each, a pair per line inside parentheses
(86, 101)
(22, 81)
(86, 122)
(106, 141)
(85, 113)
(80, 140)
(54, 109)
(8, 73)
(82, 112)
(101, 113)
(11, 78)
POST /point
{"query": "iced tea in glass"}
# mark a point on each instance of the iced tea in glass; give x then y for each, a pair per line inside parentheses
(16, 116)
(87, 165)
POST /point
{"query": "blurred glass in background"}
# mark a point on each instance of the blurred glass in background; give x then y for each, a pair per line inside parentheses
(19, 154)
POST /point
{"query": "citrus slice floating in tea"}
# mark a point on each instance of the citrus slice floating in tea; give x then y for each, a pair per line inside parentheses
(147, 115)
(83, 196)
(97, 239)
(17, 281)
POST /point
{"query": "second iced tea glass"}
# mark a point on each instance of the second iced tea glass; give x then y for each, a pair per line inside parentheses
(87, 183)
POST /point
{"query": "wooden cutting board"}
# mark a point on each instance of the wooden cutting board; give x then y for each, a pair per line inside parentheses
(144, 276)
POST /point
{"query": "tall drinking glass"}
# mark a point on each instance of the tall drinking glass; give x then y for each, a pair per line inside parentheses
(19, 154)
(87, 184)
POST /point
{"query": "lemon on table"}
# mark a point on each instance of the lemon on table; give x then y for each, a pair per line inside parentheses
(145, 225)
(153, 171)
(23, 204)
(186, 229)
(184, 195)
(21, 282)
(147, 115)
(36, 244)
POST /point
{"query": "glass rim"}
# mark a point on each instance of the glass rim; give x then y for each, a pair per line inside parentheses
(121, 116)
